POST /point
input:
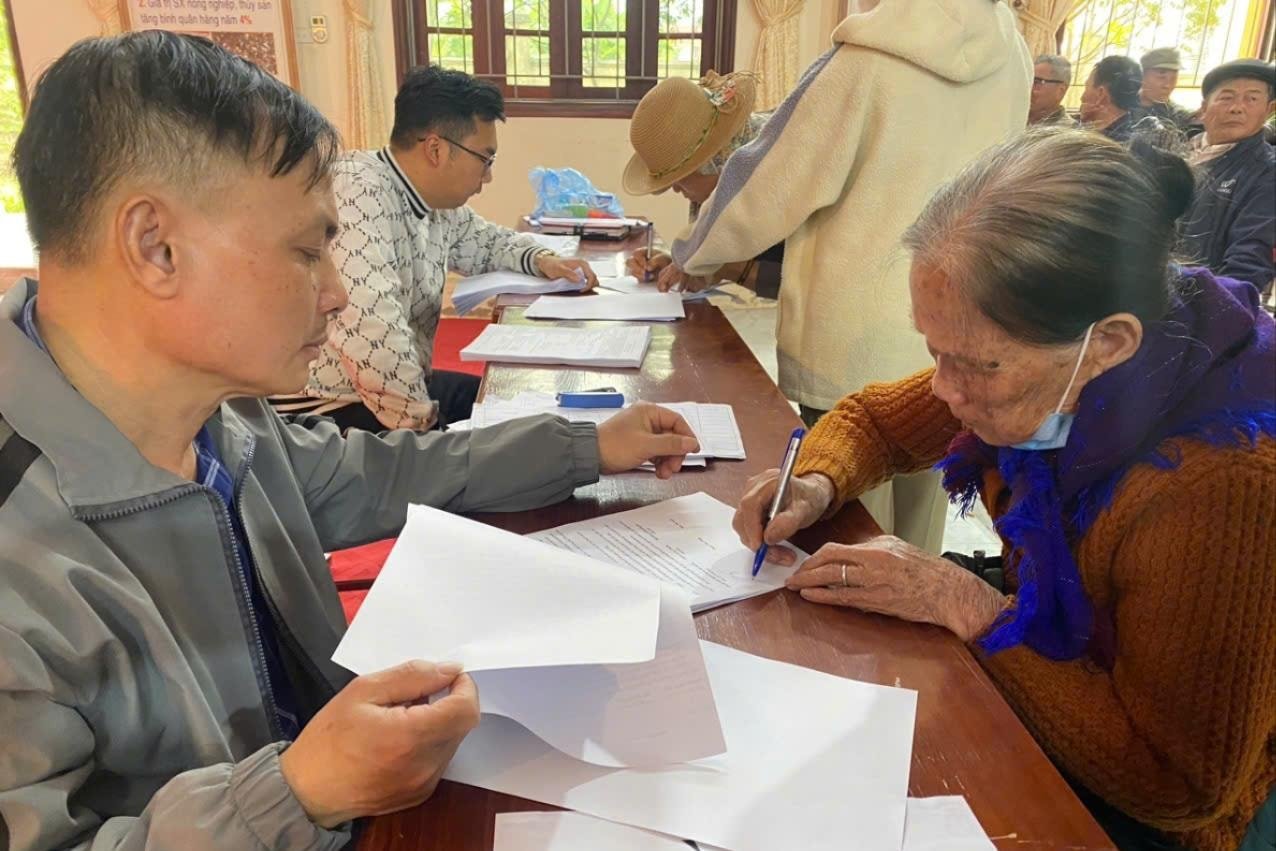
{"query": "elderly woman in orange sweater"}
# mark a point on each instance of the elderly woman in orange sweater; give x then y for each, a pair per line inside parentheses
(1117, 415)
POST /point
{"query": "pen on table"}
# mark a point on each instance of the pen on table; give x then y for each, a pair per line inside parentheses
(651, 244)
(781, 490)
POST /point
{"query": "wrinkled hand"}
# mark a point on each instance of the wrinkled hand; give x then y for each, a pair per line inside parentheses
(375, 748)
(809, 497)
(672, 278)
(554, 267)
(891, 577)
(639, 264)
(645, 432)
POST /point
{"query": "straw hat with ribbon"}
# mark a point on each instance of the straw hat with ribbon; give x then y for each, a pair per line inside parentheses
(679, 125)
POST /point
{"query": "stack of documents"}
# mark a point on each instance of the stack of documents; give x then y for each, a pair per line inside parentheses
(714, 425)
(598, 697)
(629, 285)
(471, 292)
(651, 307)
(943, 823)
(686, 541)
(595, 662)
(623, 346)
(813, 762)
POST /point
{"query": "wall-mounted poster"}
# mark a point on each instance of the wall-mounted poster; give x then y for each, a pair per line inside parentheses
(258, 30)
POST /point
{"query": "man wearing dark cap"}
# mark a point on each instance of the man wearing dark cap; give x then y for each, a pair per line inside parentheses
(1160, 75)
(1231, 225)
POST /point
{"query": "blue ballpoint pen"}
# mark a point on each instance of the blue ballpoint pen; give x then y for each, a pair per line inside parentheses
(781, 490)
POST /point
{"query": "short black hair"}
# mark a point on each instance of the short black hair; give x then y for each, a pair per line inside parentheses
(444, 101)
(152, 103)
(1122, 77)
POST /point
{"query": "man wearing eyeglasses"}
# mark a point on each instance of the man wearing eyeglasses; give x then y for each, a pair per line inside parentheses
(403, 226)
(1051, 76)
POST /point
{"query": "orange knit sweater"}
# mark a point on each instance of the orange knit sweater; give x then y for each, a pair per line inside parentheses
(1181, 734)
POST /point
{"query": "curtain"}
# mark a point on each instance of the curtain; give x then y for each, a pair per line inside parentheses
(367, 126)
(776, 59)
(107, 13)
(1039, 20)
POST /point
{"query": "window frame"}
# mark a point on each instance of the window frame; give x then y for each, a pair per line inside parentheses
(567, 96)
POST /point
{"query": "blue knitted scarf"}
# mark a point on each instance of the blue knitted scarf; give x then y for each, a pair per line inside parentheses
(1207, 371)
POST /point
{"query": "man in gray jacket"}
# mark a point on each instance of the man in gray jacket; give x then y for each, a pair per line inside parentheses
(166, 616)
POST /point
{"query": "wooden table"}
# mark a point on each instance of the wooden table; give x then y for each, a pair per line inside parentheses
(967, 740)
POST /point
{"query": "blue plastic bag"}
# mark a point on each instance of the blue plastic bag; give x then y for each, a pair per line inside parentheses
(566, 193)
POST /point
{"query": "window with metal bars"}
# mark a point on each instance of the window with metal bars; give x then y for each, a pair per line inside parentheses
(568, 57)
(1206, 32)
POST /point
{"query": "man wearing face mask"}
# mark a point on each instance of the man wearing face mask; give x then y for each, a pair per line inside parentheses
(404, 225)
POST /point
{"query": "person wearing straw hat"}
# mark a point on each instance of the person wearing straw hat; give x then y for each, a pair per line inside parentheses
(683, 133)
(844, 165)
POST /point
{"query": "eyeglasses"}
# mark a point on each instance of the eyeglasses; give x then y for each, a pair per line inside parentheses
(1041, 81)
(487, 161)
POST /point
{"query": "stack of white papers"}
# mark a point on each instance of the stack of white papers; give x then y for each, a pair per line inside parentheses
(629, 285)
(686, 541)
(650, 307)
(714, 425)
(813, 762)
(932, 824)
(623, 346)
(471, 292)
(600, 664)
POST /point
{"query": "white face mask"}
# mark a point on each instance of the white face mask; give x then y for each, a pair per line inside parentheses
(1054, 430)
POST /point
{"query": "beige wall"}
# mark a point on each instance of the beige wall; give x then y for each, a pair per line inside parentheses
(598, 147)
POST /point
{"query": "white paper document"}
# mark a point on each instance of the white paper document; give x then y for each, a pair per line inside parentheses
(652, 307)
(471, 292)
(714, 425)
(932, 824)
(563, 831)
(600, 663)
(629, 285)
(944, 823)
(564, 245)
(813, 762)
(647, 714)
(454, 589)
(686, 541)
(620, 347)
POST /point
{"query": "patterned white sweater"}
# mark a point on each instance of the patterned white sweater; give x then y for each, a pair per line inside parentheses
(394, 253)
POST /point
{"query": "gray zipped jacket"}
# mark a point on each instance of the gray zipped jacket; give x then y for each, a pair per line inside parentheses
(135, 712)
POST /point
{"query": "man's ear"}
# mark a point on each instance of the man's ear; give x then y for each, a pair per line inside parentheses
(144, 230)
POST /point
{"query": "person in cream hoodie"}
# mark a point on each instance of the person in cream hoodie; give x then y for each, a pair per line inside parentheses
(910, 92)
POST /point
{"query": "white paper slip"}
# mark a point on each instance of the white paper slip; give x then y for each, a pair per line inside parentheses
(470, 292)
(932, 824)
(629, 285)
(813, 762)
(944, 823)
(686, 541)
(651, 307)
(564, 245)
(619, 347)
(714, 425)
(455, 589)
(562, 831)
(647, 714)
